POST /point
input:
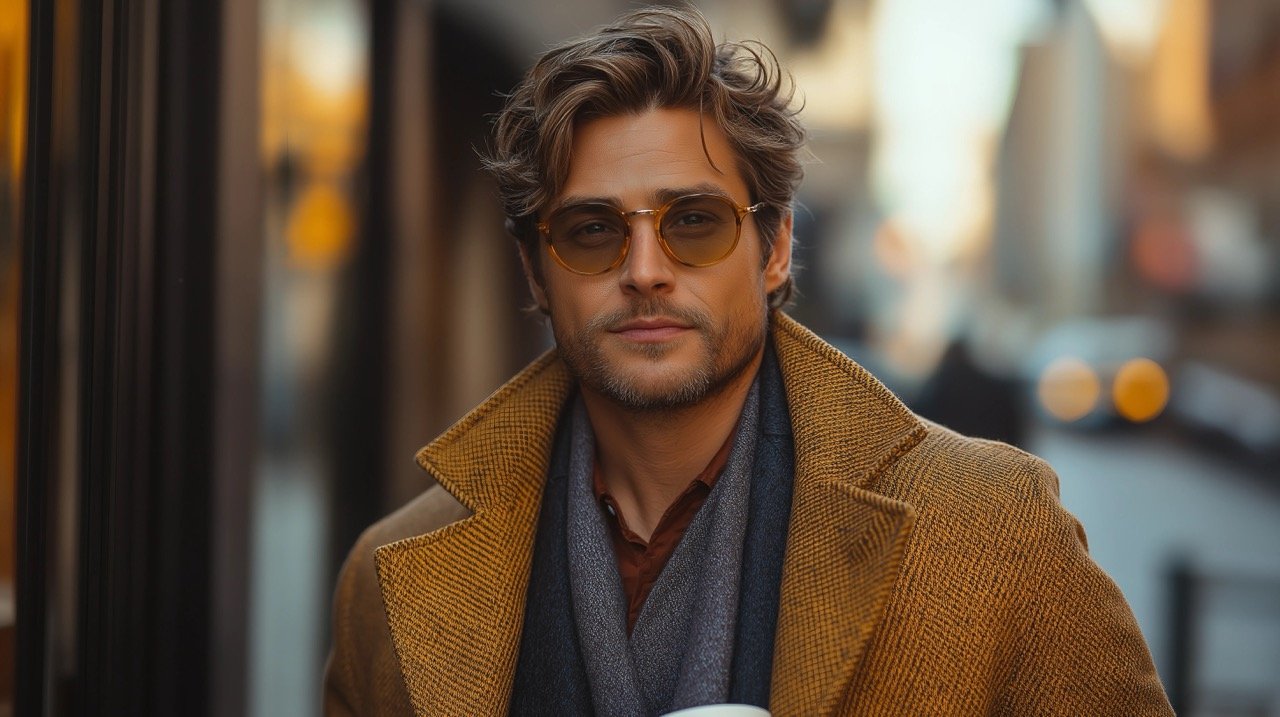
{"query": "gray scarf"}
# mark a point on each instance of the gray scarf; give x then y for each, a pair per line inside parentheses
(680, 652)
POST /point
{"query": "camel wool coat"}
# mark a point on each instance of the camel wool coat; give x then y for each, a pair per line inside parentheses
(925, 573)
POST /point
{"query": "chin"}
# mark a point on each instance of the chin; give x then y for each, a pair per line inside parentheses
(654, 387)
(654, 395)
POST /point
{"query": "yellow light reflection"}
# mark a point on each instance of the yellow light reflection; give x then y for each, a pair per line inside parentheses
(1140, 390)
(321, 226)
(315, 87)
(1068, 388)
(14, 51)
(13, 85)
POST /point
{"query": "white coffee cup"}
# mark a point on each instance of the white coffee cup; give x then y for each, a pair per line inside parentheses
(720, 711)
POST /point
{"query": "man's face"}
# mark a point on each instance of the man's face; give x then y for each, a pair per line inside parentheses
(654, 334)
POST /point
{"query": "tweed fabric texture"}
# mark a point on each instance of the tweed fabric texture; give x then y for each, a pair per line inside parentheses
(924, 573)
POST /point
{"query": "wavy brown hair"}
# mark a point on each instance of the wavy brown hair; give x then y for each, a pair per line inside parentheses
(653, 58)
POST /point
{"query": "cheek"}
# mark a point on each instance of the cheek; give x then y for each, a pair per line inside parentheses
(735, 297)
(572, 299)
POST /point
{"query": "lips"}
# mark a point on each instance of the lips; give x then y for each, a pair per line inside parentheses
(650, 329)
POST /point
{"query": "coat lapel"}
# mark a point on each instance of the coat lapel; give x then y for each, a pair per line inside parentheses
(845, 542)
(455, 597)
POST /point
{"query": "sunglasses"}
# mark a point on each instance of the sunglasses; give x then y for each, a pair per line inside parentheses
(694, 230)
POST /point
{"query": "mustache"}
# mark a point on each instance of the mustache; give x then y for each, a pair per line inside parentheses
(648, 308)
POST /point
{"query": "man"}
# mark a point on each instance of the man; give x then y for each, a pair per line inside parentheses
(693, 499)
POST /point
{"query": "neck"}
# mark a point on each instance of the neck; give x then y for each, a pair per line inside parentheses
(648, 458)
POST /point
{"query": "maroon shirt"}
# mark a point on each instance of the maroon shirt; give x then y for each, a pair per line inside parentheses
(640, 562)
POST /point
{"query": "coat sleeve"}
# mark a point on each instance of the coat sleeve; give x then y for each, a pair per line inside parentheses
(1079, 648)
(362, 676)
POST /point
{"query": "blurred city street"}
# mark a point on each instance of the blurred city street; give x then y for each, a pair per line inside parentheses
(250, 263)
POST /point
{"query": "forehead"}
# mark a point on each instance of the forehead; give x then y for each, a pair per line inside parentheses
(633, 159)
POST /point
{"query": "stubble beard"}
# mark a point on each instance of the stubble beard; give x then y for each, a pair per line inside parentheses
(728, 351)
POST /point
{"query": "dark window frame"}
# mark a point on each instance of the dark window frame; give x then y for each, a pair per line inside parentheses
(140, 173)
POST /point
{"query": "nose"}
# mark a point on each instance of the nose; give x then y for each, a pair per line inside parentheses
(647, 270)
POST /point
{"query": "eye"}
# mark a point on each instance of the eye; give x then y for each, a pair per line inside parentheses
(587, 226)
(693, 218)
(590, 228)
(697, 219)
(592, 231)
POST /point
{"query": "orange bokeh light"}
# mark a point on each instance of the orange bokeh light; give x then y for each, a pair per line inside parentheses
(1140, 390)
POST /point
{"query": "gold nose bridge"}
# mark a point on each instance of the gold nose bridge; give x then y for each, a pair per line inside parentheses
(657, 232)
(646, 212)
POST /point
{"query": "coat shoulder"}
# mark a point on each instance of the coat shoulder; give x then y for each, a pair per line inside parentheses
(993, 502)
(949, 470)
(997, 575)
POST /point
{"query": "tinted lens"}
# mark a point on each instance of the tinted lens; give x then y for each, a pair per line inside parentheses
(587, 237)
(700, 230)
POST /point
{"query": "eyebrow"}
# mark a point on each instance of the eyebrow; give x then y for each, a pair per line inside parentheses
(658, 197)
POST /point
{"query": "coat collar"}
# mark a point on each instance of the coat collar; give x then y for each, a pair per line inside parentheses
(845, 542)
(455, 596)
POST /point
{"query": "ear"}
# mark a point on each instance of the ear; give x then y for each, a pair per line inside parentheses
(530, 275)
(778, 267)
